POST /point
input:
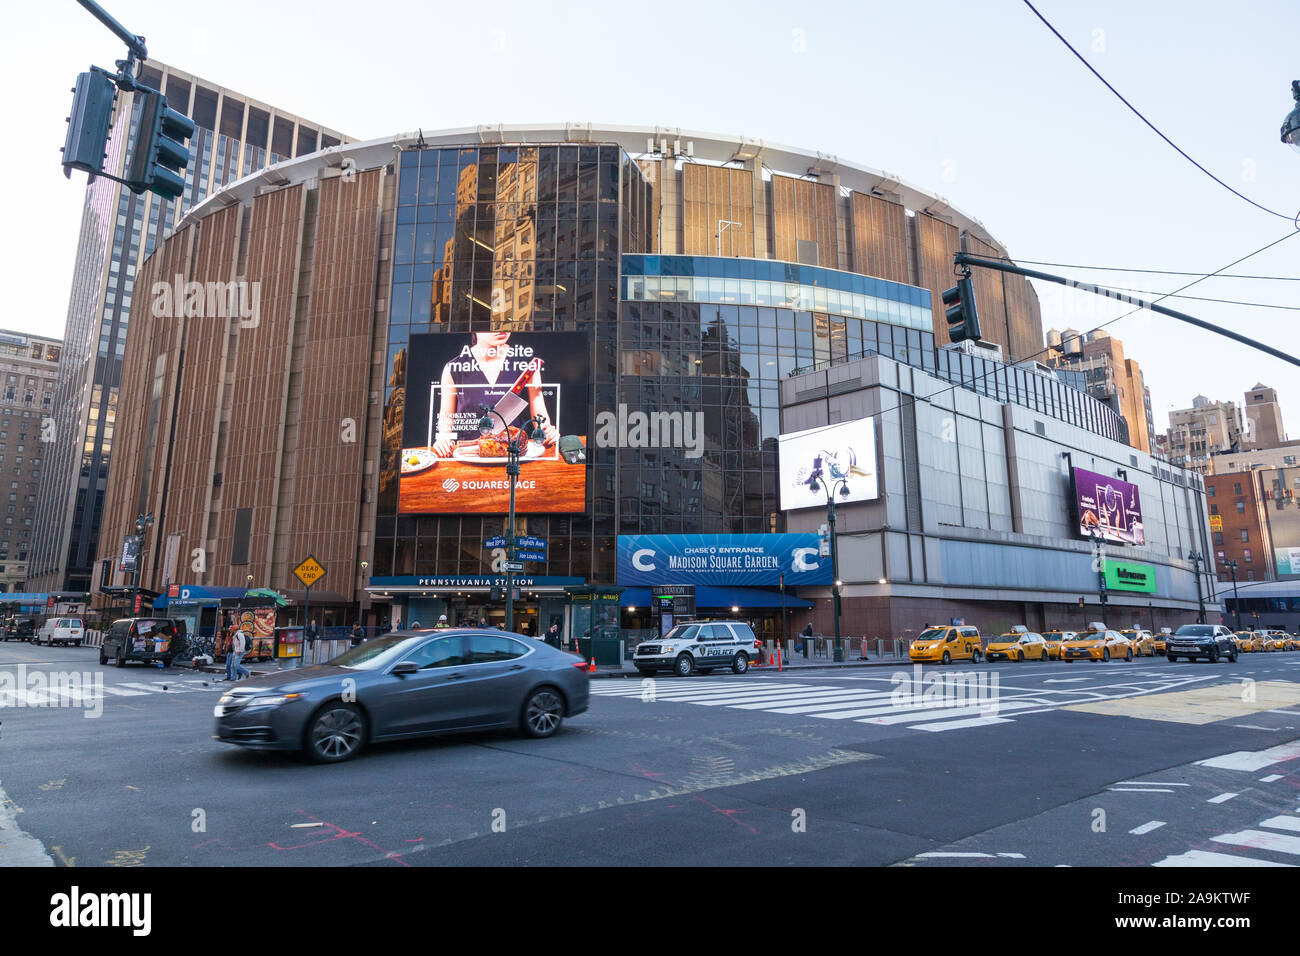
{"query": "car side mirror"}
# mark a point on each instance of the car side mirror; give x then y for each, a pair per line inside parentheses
(402, 668)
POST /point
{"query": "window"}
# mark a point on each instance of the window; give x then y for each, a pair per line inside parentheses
(485, 648)
(441, 652)
(1236, 487)
(1241, 507)
(1245, 534)
(1246, 555)
(1209, 491)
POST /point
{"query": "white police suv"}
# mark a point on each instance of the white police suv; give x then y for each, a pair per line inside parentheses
(699, 646)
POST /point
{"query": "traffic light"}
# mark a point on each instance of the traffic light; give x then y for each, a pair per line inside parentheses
(160, 156)
(89, 122)
(959, 311)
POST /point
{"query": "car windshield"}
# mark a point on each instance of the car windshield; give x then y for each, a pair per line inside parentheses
(933, 634)
(380, 652)
(682, 632)
(1195, 630)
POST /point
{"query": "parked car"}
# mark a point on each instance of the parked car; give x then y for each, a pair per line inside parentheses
(1210, 641)
(1055, 640)
(20, 629)
(407, 684)
(62, 631)
(148, 639)
(1097, 643)
(699, 646)
(1020, 644)
(1144, 645)
(1161, 642)
(947, 644)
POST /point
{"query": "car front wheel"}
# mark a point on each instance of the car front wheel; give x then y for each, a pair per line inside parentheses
(684, 666)
(740, 663)
(543, 713)
(947, 658)
(975, 657)
(103, 658)
(335, 733)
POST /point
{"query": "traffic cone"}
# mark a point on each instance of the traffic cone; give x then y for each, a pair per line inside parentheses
(591, 668)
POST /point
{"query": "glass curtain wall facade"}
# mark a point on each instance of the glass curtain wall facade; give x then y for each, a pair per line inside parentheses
(524, 238)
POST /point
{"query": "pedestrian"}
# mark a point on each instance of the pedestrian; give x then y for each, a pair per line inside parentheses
(553, 635)
(358, 634)
(806, 634)
(313, 633)
(238, 644)
(482, 622)
(442, 622)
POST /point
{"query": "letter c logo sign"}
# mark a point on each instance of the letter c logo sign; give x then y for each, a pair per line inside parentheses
(640, 559)
(799, 560)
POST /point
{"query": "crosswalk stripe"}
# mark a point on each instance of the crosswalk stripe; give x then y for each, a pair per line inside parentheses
(938, 713)
(1147, 827)
(1282, 823)
(1206, 858)
(718, 697)
(960, 724)
(1252, 760)
(123, 692)
(788, 697)
(803, 705)
(1259, 840)
(152, 688)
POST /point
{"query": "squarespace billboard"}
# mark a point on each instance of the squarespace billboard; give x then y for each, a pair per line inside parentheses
(448, 467)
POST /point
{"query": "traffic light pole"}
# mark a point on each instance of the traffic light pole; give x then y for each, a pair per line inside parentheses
(964, 259)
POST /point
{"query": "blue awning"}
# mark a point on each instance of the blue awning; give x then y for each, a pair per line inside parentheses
(707, 596)
(199, 594)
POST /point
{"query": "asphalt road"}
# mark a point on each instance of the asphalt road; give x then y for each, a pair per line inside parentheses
(1040, 764)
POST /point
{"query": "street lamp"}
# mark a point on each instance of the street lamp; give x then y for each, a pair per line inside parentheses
(1291, 125)
(1099, 543)
(513, 451)
(818, 482)
(1232, 566)
(1196, 559)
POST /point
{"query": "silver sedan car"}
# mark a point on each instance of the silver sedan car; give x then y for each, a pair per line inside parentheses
(407, 684)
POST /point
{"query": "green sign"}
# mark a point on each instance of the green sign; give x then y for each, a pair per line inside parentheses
(1122, 576)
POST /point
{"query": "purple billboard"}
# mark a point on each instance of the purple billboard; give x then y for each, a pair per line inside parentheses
(1109, 505)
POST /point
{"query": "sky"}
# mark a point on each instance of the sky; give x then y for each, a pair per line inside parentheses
(973, 101)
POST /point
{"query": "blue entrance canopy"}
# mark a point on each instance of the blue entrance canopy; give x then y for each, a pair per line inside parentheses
(715, 597)
(199, 594)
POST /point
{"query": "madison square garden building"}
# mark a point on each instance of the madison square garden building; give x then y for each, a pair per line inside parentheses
(319, 340)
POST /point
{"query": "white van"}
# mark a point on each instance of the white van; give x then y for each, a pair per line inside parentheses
(61, 630)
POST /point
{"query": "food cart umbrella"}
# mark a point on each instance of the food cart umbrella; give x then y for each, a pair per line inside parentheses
(279, 599)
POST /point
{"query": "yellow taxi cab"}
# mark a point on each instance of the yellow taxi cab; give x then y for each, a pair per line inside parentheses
(1269, 641)
(945, 644)
(1018, 644)
(1281, 639)
(1097, 644)
(1144, 645)
(1160, 642)
(1054, 640)
(1245, 641)
(1292, 643)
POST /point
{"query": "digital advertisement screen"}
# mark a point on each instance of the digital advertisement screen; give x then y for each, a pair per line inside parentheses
(1109, 505)
(846, 450)
(755, 560)
(447, 466)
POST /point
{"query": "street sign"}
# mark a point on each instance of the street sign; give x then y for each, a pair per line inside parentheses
(309, 572)
(497, 542)
(531, 542)
(515, 566)
(530, 555)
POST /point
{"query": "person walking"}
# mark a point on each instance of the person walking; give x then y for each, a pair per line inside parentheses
(442, 622)
(238, 645)
(358, 634)
(553, 635)
(313, 633)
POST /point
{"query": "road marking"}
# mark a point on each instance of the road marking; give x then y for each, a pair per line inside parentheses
(1065, 680)
(944, 725)
(1252, 760)
(1147, 827)
(1221, 798)
(1270, 778)
(1282, 823)
(936, 855)
(1012, 856)
(1259, 840)
(120, 692)
(1147, 783)
(1253, 727)
(1135, 790)
(940, 713)
(1206, 858)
